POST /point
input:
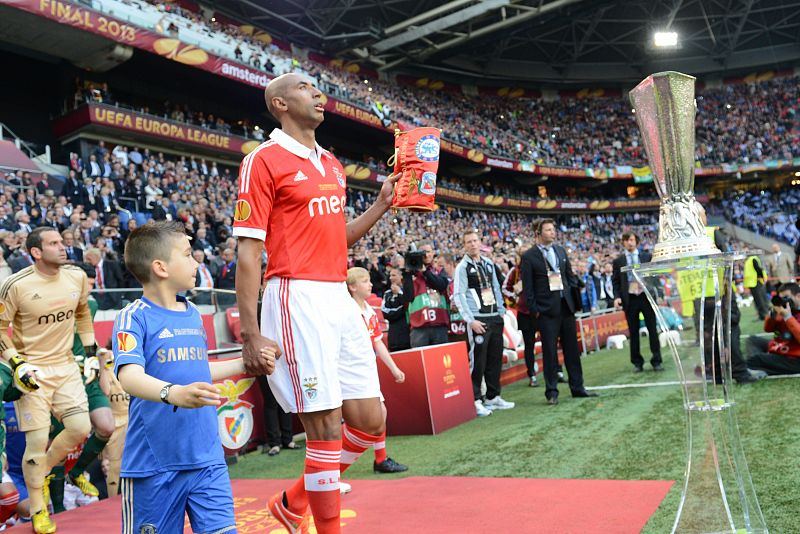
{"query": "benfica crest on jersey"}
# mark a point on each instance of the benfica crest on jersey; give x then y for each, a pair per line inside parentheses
(235, 417)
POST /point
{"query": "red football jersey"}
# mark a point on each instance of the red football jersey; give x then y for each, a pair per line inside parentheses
(373, 325)
(297, 210)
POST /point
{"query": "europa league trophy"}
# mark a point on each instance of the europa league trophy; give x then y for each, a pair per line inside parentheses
(718, 494)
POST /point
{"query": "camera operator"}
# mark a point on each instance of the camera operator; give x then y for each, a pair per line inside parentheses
(424, 291)
(781, 354)
(113, 240)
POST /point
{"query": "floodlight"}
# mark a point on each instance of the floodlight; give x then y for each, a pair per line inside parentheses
(665, 39)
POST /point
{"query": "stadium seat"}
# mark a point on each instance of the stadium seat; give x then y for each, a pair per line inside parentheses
(141, 218)
(234, 324)
(616, 342)
(513, 344)
(664, 337)
(124, 217)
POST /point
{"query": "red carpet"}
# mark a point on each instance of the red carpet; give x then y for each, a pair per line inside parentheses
(439, 505)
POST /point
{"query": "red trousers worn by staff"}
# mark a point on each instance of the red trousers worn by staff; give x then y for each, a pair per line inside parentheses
(416, 159)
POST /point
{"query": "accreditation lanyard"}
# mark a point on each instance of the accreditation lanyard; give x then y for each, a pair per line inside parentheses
(485, 281)
(553, 271)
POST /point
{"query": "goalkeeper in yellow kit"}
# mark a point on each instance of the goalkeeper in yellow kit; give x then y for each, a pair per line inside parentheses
(45, 303)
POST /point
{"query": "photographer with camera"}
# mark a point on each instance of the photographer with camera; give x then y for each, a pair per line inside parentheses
(424, 291)
(781, 354)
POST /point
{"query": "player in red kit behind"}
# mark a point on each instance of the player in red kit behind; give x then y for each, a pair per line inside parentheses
(291, 201)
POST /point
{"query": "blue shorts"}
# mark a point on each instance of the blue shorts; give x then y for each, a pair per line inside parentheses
(158, 504)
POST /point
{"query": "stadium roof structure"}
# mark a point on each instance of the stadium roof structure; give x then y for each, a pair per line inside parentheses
(550, 41)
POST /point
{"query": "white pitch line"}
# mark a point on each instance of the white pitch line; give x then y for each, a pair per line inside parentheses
(644, 385)
(671, 383)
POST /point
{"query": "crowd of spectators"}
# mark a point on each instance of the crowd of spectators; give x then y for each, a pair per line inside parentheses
(591, 239)
(88, 92)
(770, 213)
(96, 208)
(736, 123)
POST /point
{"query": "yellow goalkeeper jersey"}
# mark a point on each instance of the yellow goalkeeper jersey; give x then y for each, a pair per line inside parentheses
(44, 311)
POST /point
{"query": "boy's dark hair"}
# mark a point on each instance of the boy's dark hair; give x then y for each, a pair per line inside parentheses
(628, 235)
(148, 243)
(794, 287)
(34, 238)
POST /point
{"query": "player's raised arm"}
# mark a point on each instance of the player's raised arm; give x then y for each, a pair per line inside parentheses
(248, 283)
(357, 228)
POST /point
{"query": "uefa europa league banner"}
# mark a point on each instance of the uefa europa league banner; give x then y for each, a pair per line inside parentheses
(123, 119)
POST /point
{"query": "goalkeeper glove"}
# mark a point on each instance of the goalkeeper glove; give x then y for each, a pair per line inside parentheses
(24, 374)
(91, 369)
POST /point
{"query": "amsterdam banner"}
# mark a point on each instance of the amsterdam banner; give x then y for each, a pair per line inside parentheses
(84, 18)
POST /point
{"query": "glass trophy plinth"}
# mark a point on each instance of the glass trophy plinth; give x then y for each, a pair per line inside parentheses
(718, 496)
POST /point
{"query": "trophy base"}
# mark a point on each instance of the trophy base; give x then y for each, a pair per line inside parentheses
(684, 248)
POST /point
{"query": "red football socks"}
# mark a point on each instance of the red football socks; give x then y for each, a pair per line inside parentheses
(321, 480)
(380, 448)
(354, 443)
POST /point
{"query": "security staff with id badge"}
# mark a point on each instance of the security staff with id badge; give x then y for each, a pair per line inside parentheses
(549, 283)
(477, 295)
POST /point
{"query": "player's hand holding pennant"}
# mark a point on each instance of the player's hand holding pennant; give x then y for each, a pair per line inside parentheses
(416, 160)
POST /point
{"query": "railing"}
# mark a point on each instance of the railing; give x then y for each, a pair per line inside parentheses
(24, 145)
(212, 299)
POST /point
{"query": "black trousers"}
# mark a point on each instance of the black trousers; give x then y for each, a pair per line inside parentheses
(277, 422)
(552, 329)
(774, 364)
(525, 325)
(760, 300)
(711, 349)
(428, 335)
(486, 356)
(639, 304)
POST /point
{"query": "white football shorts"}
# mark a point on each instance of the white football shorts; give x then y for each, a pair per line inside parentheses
(327, 353)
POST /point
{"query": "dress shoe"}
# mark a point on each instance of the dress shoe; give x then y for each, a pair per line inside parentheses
(552, 401)
(658, 367)
(583, 394)
(637, 369)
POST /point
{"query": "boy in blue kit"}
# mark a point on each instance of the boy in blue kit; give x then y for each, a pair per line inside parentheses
(173, 461)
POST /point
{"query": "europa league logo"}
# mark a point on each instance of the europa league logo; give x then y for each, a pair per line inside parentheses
(665, 109)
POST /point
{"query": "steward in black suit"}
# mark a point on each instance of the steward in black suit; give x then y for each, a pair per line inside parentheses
(630, 295)
(550, 287)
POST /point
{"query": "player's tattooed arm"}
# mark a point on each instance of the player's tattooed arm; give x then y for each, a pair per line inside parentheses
(357, 228)
(248, 284)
